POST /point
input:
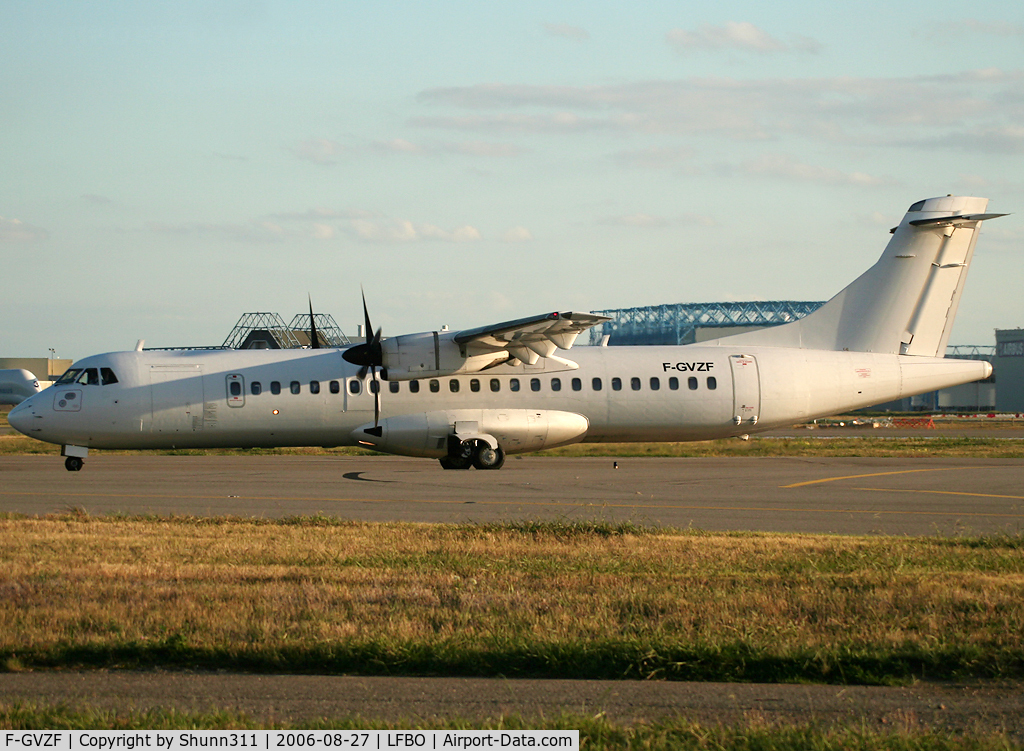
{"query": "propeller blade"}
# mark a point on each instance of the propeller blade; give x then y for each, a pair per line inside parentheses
(366, 316)
(376, 398)
(314, 340)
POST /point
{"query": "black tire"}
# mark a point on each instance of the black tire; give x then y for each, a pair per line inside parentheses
(73, 463)
(458, 462)
(487, 458)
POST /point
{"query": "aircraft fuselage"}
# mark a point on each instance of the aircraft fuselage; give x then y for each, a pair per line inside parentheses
(270, 398)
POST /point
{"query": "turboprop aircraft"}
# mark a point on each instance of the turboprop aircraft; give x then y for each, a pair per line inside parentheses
(472, 397)
(17, 385)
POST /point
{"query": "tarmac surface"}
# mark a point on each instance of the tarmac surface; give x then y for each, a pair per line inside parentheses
(837, 495)
(808, 494)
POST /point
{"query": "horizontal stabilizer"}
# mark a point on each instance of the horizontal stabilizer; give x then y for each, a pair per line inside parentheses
(946, 221)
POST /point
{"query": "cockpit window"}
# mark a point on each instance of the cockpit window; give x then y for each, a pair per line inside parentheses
(69, 376)
(108, 376)
(89, 377)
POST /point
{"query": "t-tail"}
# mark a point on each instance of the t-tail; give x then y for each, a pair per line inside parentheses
(904, 304)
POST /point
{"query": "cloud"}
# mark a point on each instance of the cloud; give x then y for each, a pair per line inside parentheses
(1008, 139)
(256, 231)
(787, 168)
(635, 220)
(16, 231)
(566, 31)
(654, 157)
(483, 148)
(941, 30)
(516, 235)
(987, 103)
(399, 146)
(403, 231)
(734, 35)
(318, 150)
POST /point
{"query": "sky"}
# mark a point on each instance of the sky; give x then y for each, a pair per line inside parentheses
(166, 167)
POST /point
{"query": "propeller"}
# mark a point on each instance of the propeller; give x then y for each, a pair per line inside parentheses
(368, 357)
(314, 340)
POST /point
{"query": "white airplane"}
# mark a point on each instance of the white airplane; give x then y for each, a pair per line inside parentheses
(469, 398)
(17, 385)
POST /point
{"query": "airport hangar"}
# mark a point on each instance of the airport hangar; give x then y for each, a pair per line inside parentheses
(672, 324)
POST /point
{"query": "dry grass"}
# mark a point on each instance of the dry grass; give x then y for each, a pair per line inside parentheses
(530, 600)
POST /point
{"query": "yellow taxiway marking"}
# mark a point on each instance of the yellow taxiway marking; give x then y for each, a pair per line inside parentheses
(945, 492)
(873, 474)
(666, 506)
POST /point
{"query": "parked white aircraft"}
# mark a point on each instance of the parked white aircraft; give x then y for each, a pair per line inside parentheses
(17, 385)
(472, 397)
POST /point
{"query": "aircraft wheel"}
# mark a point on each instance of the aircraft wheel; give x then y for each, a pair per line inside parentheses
(458, 462)
(73, 463)
(487, 458)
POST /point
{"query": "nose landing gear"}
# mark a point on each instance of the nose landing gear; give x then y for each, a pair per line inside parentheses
(75, 457)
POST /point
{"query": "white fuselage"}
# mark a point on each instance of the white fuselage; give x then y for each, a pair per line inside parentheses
(181, 399)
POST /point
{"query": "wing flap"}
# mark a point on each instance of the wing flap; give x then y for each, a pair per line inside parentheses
(529, 339)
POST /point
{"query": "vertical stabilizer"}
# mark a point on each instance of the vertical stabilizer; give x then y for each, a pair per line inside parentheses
(906, 302)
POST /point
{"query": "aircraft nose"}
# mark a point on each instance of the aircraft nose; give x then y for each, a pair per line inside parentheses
(20, 417)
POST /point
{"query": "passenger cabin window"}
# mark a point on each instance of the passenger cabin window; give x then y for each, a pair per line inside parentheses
(712, 383)
(513, 384)
(691, 382)
(256, 388)
(108, 376)
(655, 383)
(534, 384)
(474, 384)
(393, 386)
(354, 387)
(556, 384)
(634, 383)
(275, 387)
(235, 388)
(596, 384)
(673, 383)
(616, 384)
(435, 385)
(314, 387)
(296, 387)
(374, 387)
(414, 387)
(495, 384)
(577, 384)
(335, 387)
(453, 385)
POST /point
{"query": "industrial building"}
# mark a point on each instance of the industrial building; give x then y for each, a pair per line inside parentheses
(1009, 365)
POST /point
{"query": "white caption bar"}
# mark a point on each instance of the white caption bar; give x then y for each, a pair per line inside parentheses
(174, 740)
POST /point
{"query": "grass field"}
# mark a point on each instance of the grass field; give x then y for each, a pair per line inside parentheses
(580, 601)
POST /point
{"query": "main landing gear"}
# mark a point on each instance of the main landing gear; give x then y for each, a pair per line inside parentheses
(464, 454)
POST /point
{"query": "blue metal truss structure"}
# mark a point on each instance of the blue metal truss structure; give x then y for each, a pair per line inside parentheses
(678, 323)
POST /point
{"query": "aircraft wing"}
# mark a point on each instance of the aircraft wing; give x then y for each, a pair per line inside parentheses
(529, 339)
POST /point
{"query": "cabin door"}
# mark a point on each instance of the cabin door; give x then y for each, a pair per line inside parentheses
(177, 393)
(746, 390)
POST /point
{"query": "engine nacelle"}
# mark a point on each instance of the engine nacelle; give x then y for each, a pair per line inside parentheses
(432, 354)
(515, 431)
